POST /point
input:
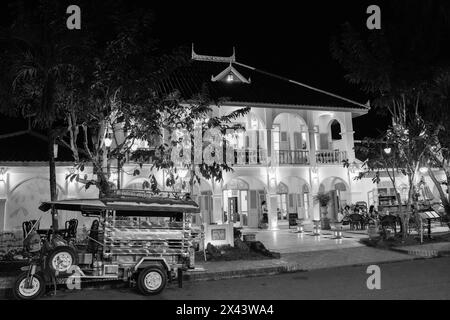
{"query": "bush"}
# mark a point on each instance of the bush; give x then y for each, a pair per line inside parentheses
(323, 199)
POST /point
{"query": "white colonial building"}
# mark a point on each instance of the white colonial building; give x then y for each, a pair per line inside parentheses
(295, 140)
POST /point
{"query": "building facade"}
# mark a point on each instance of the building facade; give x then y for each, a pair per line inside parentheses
(293, 147)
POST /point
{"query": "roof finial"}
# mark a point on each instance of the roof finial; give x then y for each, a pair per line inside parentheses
(199, 57)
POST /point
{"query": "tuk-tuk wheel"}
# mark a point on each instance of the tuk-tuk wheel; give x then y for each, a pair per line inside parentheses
(61, 259)
(36, 287)
(152, 280)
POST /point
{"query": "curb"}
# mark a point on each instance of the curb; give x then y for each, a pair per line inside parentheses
(424, 253)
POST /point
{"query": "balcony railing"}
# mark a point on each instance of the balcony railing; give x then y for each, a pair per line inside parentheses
(330, 156)
(292, 156)
(250, 157)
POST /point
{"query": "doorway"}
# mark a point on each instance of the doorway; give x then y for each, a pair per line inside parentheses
(233, 212)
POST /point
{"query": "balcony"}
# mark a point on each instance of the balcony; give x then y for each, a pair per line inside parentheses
(330, 156)
(292, 156)
(250, 157)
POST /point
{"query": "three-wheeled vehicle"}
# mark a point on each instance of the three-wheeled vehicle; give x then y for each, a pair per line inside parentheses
(135, 236)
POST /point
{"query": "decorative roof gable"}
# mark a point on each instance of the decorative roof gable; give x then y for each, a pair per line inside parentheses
(230, 74)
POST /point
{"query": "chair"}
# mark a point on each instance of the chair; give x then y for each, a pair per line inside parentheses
(28, 225)
(71, 229)
(355, 221)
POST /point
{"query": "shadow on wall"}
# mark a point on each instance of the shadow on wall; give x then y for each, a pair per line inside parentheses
(23, 202)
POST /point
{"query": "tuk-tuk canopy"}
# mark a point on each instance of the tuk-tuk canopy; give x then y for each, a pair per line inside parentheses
(126, 206)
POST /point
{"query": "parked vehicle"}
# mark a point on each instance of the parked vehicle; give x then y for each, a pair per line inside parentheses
(137, 237)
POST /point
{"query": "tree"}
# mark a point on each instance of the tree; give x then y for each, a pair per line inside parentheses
(438, 99)
(193, 135)
(395, 66)
(37, 50)
(115, 97)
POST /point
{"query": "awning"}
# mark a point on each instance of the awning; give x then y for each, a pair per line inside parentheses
(125, 206)
(74, 205)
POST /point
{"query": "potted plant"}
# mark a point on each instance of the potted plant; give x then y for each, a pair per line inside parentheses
(323, 199)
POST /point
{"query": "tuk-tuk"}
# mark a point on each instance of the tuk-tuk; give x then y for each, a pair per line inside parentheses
(138, 237)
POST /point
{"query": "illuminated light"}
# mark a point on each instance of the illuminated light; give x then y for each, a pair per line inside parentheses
(230, 77)
(108, 141)
(338, 234)
(423, 170)
(134, 147)
(182, 173)
(113, 177)
(387, 150)
(316, 228)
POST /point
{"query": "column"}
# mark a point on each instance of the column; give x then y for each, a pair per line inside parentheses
(269, 144)
(314, 182)
(312, 138)
(217, 207)
(312, 147)
(347, 136)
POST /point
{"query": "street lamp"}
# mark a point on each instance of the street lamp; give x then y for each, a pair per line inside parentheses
(423, 170)
(182, 173)
(113, 177)
(108, 141)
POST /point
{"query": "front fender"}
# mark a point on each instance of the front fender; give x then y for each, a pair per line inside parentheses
(28, 267)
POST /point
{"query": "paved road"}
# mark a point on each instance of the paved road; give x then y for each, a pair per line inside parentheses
(419, 279)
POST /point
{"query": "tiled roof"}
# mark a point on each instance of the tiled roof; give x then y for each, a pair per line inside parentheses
(263, 88)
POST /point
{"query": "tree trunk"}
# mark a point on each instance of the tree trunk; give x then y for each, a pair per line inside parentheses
(52, 177)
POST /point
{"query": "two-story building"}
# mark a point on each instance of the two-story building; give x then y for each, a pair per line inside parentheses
(294, 142)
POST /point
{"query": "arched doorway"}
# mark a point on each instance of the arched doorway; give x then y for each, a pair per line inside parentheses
(282, 202)
(290, 139)
(298, 196)
(235, 202)
(339, 193)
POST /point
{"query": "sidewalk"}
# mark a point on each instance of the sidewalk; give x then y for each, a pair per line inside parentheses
(300, 261)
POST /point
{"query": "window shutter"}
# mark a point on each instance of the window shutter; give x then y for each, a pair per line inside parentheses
(202, 203)
(299, 200)
(291, 202)
(253, 199)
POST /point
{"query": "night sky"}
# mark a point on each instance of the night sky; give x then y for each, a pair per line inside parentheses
(287, 38)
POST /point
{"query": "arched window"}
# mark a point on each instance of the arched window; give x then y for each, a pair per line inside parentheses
(335, 130)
